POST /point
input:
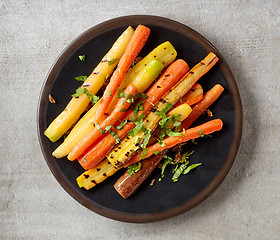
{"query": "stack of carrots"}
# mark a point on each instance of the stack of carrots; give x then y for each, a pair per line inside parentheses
(123, 127)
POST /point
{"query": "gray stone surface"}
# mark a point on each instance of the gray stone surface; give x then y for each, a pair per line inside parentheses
(32, 203)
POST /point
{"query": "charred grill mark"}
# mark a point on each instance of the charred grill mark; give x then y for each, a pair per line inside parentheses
(86, 176)
(162, 100)
(167, 75)
(95, 72)
(127, 154)
(98, 169)
(158, 86)
(109, 162)
(93, 181)
(153, 109)
(104, 174)
(86, 85)
(214, 58)
(202, 63)
(191, 72)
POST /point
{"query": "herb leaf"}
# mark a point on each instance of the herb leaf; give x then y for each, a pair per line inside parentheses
(134, 168)
(121, 125)
(191, 167)
(99, 128)
(179, 171)
(82, 58)
(93, 98)
(162, 112)
(112, 61)
(81, 78)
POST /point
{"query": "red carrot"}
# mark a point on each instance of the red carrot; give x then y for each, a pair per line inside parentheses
(208, 98)
(192, 133)
(170, 77)
(133, 48)
(127, 185)
(192, 97)
(118, 112)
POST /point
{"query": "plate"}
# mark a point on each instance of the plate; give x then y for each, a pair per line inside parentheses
(164, 199)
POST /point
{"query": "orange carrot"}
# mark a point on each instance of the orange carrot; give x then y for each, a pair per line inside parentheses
(192, 97)
(208, 98)
(192, 133)
(133, 48)
(170, 77)
(118, 112)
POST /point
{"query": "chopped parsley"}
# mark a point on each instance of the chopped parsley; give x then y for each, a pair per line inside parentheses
(200, 132)
(81, 78)
(82, 58)
(98, 127)
(134, 168)
(111, 62)
(162, 112)
(121, 125)
(93, 98)
(181, 167)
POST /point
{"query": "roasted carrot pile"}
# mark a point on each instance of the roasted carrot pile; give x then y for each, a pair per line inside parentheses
(146, 109)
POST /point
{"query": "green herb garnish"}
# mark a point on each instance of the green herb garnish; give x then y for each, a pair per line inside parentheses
(93, 98)
(111, 62)
(114, 135)
(200, 132)
(82, 58)
(134, 168)
(121, 125)
(98, 127)
(162, 112)
(81, 78)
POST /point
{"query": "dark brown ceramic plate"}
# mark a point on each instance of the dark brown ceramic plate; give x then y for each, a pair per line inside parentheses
(165, 199)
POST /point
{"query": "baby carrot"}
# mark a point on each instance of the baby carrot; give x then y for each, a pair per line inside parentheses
(208, 98)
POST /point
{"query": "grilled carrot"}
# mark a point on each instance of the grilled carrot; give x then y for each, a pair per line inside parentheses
(134, 46)
(170, 77)
(192, 133)
(118, 112)
(127, 185)
(193, 96)
(209, 97)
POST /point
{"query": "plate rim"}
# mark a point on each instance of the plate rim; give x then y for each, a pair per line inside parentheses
(85, 37)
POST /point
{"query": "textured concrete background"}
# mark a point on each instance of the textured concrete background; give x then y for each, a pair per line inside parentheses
(32, 203)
